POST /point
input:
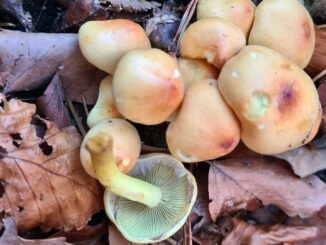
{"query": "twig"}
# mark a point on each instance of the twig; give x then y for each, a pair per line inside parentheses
(76, 117)
(151, 149)
(319, 76)
(7, 24)
(85, 106)
(185, 21)
(39, 15)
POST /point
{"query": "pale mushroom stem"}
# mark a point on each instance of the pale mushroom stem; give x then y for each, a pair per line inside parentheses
(109, 175)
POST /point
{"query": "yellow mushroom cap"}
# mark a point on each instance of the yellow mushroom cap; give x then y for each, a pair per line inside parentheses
(126, 144)
(239, 12)
(213, 39)
(286, 27)
(147, 86)
(275, 100)
(205, 128)
(103, 43)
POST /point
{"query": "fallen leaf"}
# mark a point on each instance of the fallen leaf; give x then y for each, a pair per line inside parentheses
(42, 182)
(322, 97)
(318, 220)
(237, 184)
(51, 103)
(200, 213)
(10, 236)
(244, 233)
(30, 60)
(86, 235)
(15, 8)
(133, 5)
(116, 238)
(318, 61)
(81, 11)
(305, 161)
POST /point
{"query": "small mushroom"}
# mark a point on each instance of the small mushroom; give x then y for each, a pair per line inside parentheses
(239, 12)
(213, 39)
(143, 224)
(205, 127)
(147, 86)
(275, 100)
(286, 27)
(126, 146)
(103, 43)
(104, 107)
(196, 70)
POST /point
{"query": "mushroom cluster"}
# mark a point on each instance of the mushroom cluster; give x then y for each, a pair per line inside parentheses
(218, 92)
(147, 197)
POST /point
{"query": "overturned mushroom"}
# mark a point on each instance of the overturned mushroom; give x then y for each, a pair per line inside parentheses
(151, 204)
(103, 43)
(239, 12)
(126, 145)
(205, 127)
(213, 39)
(104, 107)
(147, 86)
(275, 100)
(286, 27)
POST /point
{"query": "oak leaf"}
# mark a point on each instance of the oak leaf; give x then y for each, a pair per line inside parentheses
(42, 182)
(244, 233)
(245, 183)
(10, 236)
(304, 160)
(30, 60)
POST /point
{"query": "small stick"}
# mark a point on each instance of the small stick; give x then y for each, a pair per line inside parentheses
(76, 117)
(85, 106)
(319, 76)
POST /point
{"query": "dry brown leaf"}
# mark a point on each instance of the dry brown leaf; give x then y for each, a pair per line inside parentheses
(30, 60)
(81, 11)
(15, 8)
(244, 233)
(243, 183)
(10, 236)
(133, 5)
(200, 210)
(322, 97)
(116, 238)
(305, 161)
(42, 182)
(318, 60)
(51, 103)
(87, 235)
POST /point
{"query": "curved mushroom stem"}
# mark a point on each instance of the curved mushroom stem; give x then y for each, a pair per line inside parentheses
(100, 148)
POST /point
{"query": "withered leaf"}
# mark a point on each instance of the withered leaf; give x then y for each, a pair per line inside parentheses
(318, 60)
(304, 160)
(243, 183)
(15, 8)
(133, 5)
(30, 60)
(81, 11)
(51, 103)
(322, 97)
(42, 181)
(10, 236)
(244, 233)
